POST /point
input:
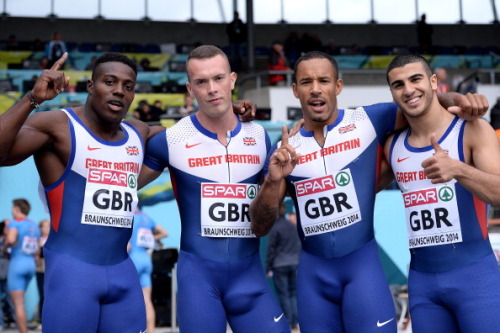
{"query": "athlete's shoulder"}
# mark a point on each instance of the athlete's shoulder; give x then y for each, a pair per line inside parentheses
(184, 124)
(47, 120)
(253, 128)
(142, 128)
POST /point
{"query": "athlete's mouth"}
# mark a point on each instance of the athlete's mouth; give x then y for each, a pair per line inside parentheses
(316, 104)
(413, 100)
(116, 104)
(214, 100)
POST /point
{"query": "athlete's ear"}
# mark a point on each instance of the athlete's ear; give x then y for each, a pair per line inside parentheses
(90, 86)
(339, 85)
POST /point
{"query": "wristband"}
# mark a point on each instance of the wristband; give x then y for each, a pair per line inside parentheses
(33, 102)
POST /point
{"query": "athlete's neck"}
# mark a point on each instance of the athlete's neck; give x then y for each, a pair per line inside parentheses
(218, 125)
(436, 122)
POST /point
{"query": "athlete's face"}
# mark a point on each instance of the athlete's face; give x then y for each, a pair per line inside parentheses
(317, 88)
(211, 83)
(112, 90)
(412, 89)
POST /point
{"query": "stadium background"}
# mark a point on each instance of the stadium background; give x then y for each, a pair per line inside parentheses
(470, 52)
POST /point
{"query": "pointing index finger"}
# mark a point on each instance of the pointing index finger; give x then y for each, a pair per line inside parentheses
(59, 62)
(284, 135)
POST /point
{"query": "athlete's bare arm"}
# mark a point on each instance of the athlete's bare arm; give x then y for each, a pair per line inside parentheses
(49, 84)
(159, 232)
(147, 175)
(386, 175)
(480, 173)
(468, 107)
(265, 207)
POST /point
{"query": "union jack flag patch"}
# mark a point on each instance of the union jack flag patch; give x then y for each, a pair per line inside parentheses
(348, 128)
(249, 141)
(132, 150)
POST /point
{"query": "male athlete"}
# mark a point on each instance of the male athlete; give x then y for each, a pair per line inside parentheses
(145, 234)
(22, 238)
(447, 170)
(331, 171)
(88, 160)
(215, 162)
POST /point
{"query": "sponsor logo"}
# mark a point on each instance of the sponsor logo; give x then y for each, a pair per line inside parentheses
(402, 159)
(107, 177)
(446, 193)
(307, 187)
(348, 128)
(226, 191)
(380, 324)
(92, 148)
(276, 319)
(343, 178)
(422, 197)
(249, 141)
(132, 150)
(193, 145)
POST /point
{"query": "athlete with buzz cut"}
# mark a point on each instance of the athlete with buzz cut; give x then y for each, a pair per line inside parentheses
(215, 163)
(331, 169)
(447, 170)
(88, 160)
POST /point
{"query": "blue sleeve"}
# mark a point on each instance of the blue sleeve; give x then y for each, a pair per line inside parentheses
(383, 117)
(156, 156)
(269, 154)
(151, 222)
(14, 225)
(268, 141)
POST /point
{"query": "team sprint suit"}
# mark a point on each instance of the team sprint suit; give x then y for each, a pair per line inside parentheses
(454, 275)
(89, 276)
(220, 276)
(141, 242)
(22, 255)
(340, 283)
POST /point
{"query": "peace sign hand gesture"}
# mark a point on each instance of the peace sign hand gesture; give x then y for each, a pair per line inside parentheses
(284, 159)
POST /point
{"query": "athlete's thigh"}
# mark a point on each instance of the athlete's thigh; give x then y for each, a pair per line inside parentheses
(199, 298)
(475, 295)
(318, 296)
(144, 266)
(248, 299)
(19, 274)
(368, 290)
(427, 311)
(72, 290)
(123, 309)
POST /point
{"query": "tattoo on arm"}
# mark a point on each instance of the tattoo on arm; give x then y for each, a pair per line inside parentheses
(263, 219)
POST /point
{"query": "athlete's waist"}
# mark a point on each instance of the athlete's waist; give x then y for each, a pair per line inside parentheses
(442, 258)
(246, 258)
(226, 250)
(91, 254)
(330, 245)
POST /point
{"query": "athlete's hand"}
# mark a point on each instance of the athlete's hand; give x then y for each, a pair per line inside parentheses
(284, 159)
(470, 106)
(51, 82)
(439, 168)
(245, 109)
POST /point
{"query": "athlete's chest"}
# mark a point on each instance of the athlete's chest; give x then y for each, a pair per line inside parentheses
(206, 157)
(346, 143)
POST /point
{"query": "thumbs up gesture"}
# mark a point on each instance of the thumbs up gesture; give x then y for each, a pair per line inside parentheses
(439, 168)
